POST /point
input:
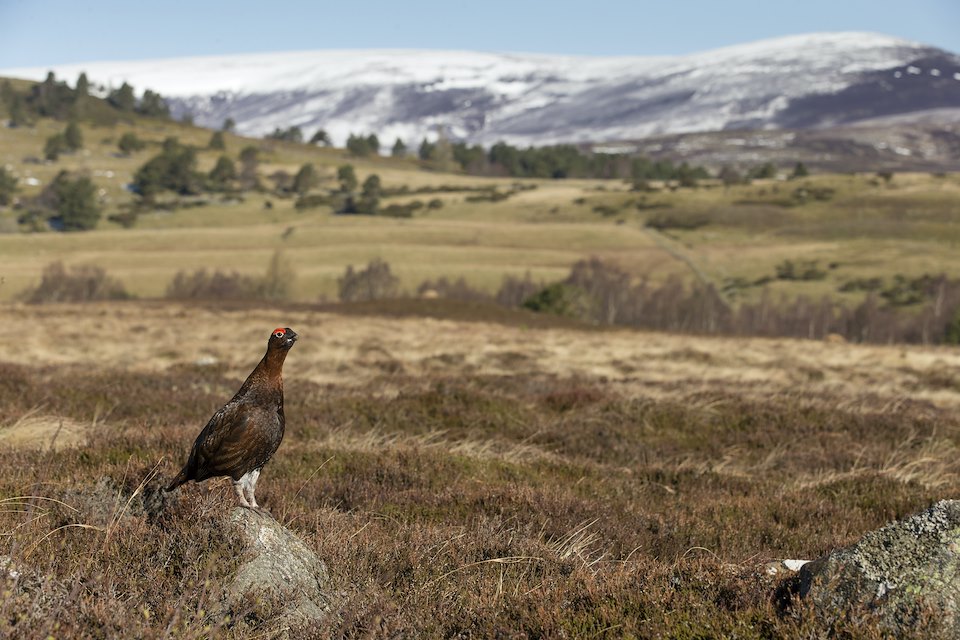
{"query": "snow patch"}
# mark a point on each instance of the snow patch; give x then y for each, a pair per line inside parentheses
(516, 97)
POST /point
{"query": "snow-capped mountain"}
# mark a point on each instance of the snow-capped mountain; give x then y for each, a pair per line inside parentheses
(802, 81)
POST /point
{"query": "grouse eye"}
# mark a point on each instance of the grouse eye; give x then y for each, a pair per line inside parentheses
(278, 334)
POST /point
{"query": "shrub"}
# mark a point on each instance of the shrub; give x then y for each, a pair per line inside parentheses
(802, 270)
(375, 282)
(275, 284)
(130, 143)
(79, 283)
(802, 195)
(216, 285)
(514, 291)
(862, 284)
(684, 221)
(560, 299)
(606, 210)
(312, 201)
(54, 146)
(906, 291)
(401, 210)
(490, 196)
(457, 289)
(173, 170)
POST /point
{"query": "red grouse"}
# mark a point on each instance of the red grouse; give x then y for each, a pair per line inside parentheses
(243, 435)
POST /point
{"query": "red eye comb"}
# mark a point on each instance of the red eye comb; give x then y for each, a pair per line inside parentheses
(280, 330)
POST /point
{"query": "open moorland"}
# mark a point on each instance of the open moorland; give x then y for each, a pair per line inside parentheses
(465, 468)
(461, 479)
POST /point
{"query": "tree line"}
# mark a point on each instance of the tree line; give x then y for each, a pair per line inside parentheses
(54, 98)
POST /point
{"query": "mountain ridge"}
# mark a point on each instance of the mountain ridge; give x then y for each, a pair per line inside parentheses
(802, 81)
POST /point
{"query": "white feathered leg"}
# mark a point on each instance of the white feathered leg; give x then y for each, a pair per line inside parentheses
(238, 486)
(251, 486)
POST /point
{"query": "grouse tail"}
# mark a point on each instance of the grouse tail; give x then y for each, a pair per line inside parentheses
(181, 478)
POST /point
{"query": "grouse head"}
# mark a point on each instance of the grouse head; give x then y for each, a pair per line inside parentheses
(282, 338)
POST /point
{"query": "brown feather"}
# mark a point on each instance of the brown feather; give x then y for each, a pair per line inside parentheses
(245, 433)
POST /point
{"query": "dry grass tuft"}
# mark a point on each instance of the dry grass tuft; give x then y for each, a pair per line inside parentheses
(37, 431)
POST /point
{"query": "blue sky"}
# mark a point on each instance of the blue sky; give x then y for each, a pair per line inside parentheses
(47, 32)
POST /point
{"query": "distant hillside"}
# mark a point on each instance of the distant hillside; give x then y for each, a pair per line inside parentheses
(799, 82)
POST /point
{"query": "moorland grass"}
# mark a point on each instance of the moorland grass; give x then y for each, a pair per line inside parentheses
(462, 506)
(907, 224)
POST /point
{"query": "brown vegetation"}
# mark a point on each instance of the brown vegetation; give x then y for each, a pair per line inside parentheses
(462, 479)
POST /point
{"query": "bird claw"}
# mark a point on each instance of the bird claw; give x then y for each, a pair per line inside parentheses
(260, 511)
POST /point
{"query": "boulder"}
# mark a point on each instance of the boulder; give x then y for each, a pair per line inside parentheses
(277, 570)
(905, 575)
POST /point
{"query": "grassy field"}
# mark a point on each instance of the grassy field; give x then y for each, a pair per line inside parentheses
(461, 479)
(856, 226)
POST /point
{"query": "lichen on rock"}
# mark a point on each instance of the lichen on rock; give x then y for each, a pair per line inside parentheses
(906, 573)
(279, 571)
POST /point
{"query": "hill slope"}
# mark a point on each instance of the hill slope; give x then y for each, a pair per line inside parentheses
(798, 81)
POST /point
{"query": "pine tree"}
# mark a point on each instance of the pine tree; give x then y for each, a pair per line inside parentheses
(83, 86)
(320, 137)
(45, 94)
(224, 172)
(763, 172)
(425, 152)
(18, 113)
(305, 179)
(373, 144)
(55, 145)
(72, 137)
(729, 176)
(686, 176)
(173, 169)
(441, 156)
(358, 146)
(74, 201)
(800, 171)
(290, 134)
(399, 149)
(217, 142)
(123, 98)
(8, 187)
(13, 102)
(81, 96)
(152, 104)
(229, 125)
(370, 195)
(249, 161)
(347, 178)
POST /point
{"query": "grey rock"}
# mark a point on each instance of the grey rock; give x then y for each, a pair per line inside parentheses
(278, 570)
(906, 575)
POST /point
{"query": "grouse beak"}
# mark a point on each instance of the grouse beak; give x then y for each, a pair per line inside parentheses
(291, 337)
